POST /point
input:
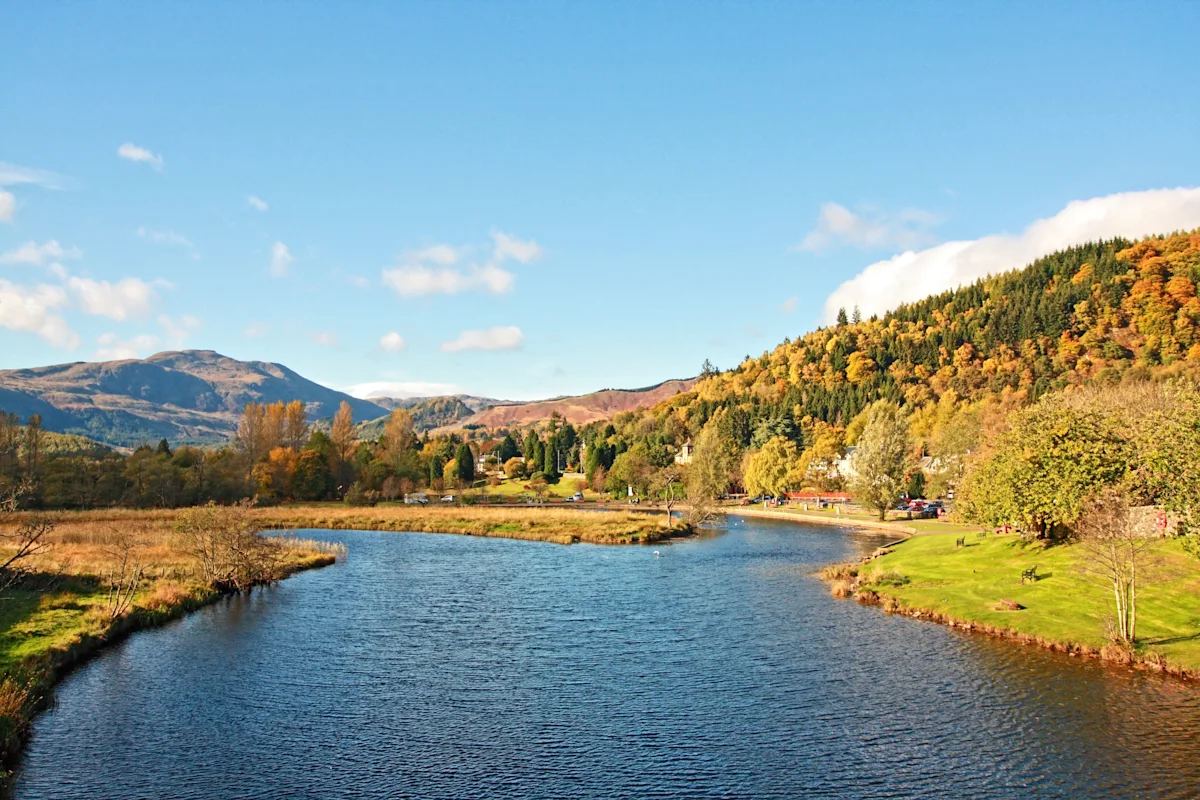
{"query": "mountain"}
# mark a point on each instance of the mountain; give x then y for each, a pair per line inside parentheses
(579, 409)
(184, 396)
(468, 401)
(1102, 312)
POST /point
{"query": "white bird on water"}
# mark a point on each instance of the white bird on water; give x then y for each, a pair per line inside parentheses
(657, 554)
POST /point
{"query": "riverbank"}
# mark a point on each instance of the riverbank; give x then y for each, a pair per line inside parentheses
(978, 587)
(902, 528)
(534, 523)
(64, 610)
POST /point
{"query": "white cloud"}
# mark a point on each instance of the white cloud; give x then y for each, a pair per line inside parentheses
(789, 305)
(257, 203)
(111, 347)
(125, 299)
(326, 339)
(164, 237)
(177, 331)
(400, 389)
(256, 330)
(506, 247)
(416, 280)
(281, 259)
(499, 338)
(38, 254)
(8, 205)
(392, 342)
(837, 224)
(913, 275)
(12, 175)
(35, 310)
(132, 152)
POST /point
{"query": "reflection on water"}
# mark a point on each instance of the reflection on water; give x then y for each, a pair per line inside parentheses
(447, 666)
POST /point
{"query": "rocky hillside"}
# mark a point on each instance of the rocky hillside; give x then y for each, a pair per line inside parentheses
(580, 409)
(185, 396)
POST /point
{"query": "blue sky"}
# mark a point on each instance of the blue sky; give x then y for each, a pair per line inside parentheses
(523, 200)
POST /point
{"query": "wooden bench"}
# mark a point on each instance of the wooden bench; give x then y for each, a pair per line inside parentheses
(962, 542)
(981, 535)
(1029, 574)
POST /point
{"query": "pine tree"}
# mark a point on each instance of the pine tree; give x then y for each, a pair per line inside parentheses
(841, 317)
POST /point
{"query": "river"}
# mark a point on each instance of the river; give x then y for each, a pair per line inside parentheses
(449, 666)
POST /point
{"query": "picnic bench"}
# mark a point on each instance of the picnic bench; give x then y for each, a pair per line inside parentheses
(1030, 574)
(960, 542)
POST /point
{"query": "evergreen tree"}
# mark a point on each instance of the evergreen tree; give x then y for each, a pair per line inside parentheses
(841, 317)
(465, 463)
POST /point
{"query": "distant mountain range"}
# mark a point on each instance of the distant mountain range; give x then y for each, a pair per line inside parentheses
(192, 396)
(196, 397)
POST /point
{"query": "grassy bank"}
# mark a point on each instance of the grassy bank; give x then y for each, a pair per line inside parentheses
(62, 612)
(543, 524)
(979, 587)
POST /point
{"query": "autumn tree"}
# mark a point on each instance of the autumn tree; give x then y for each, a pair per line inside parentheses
(295, 425)
(773, 469)
(708, 476)
(882, 459)
(1040, 473)
(342, 433)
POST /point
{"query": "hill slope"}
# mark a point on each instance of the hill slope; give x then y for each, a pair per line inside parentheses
(580, 409)
(184, 396)
(1106, 311)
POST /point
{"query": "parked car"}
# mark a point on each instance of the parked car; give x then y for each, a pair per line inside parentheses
(447, 498)
(415, 500)
(575, 498)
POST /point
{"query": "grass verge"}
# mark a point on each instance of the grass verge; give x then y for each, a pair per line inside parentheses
(978, 587)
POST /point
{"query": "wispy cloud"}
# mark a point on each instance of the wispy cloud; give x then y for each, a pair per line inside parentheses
(131, 152)
(281, 259)
(913, 275)
(257, 203)
(837, 224)
(326, 339)
(38, 254)
(256, 330)
(400, 389)
(8, 206)
(416, 280)
(13, 175)
(36, 310)
(499, 338)
(789, 305)
(505, 247)
(110, 347)
(392, 342)
(439, 269)
(168, 236)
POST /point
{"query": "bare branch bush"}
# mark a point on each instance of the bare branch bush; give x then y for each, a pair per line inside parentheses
(124, 576)
(30, 537)
(232, 553)
(1115, 547)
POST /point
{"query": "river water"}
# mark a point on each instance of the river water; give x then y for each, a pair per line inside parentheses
(450, 667)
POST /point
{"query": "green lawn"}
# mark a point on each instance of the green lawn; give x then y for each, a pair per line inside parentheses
(1064, 604)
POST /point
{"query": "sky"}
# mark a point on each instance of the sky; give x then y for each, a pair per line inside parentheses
(524, 200)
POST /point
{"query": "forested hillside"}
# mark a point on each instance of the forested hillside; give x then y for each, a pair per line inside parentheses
(1107, 311)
